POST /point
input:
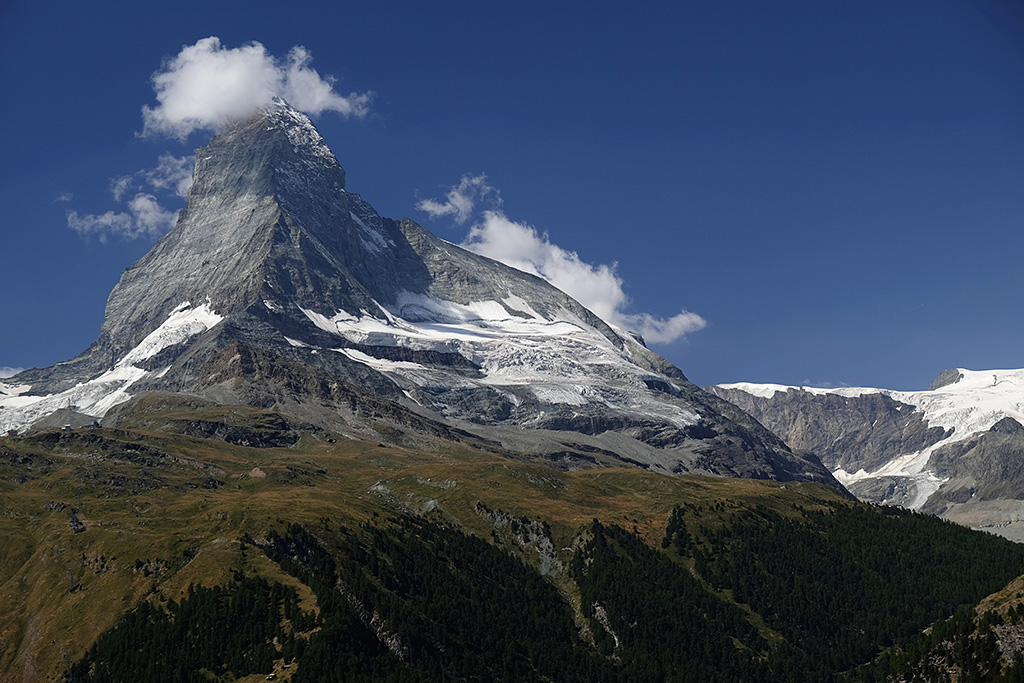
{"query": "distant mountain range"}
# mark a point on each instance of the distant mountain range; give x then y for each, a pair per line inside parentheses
(955, 450)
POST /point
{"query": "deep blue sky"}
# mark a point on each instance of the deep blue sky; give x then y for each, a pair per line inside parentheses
(836, 187)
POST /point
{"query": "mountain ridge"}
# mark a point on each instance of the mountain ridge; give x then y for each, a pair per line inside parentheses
(273, 260)
(902, 447)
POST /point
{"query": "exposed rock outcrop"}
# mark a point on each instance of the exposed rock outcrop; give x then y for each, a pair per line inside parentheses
(848, 432)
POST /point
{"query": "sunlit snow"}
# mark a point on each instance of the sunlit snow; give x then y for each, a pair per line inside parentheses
(95, 397)
(519, 352)
(973, 404)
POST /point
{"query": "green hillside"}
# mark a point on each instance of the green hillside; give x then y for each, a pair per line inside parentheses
(350, 560)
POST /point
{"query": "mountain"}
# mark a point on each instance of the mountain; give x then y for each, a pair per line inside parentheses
(315, 444)
(281, 289)
(956, 450)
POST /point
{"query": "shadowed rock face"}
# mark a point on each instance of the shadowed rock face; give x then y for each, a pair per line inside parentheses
(986, 467)
(280, 289)
(970, 471)
(852, 433)
(945, 378)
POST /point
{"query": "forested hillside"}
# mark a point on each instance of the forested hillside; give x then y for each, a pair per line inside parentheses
(174, 557)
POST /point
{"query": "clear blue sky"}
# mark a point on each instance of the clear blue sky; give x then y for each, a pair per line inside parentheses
(837, 188)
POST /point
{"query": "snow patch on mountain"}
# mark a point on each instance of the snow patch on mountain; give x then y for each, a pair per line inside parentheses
(421, 320)
(13, 389)
(377, 241)
(184, 323)
(298, 127)
(972, 404)
(19, 409)
(379, 363)
(910, 466)
(518, 351)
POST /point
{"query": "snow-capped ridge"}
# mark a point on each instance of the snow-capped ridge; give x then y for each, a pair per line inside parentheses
(975, 402)
(297, 126)
(95, 397)
(961, 402)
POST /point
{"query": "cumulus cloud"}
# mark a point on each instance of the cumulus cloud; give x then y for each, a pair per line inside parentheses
(7, 371)
(598, 287)
(207, 84)
(662, 330)
(461, 199)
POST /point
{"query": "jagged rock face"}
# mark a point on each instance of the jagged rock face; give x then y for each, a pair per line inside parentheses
(846, 432)
(985, 467)
(267, 218)
(956, 449)
(281, 289)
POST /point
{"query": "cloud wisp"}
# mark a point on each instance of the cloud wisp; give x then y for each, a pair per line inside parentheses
(461, 199)
(207, 84)
(171, 174)
(598, 287)
(6, 371)
(145, 216)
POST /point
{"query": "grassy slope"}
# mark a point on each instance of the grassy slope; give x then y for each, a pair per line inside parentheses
(171, 513)
(158, 521)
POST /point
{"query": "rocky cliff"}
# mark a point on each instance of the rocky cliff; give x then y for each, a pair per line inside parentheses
(953, 450)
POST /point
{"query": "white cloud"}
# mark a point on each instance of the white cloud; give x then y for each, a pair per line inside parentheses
(461, 199)
(662, 330)
(6, 371)
(151, 219)
(598, 287)
(207, 84)
(64, 197)
(101, 225)
(120, 186)
(171, 173)
(144, 218)
(307, 91)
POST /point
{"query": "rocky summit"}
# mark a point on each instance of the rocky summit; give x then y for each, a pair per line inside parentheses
(281, 289)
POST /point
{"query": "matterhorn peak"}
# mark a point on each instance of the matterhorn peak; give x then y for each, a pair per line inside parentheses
(305, 138)
(278, 287)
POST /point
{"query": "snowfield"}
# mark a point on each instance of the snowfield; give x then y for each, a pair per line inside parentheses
(973, 404)
(19, 409)
(517, 350)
